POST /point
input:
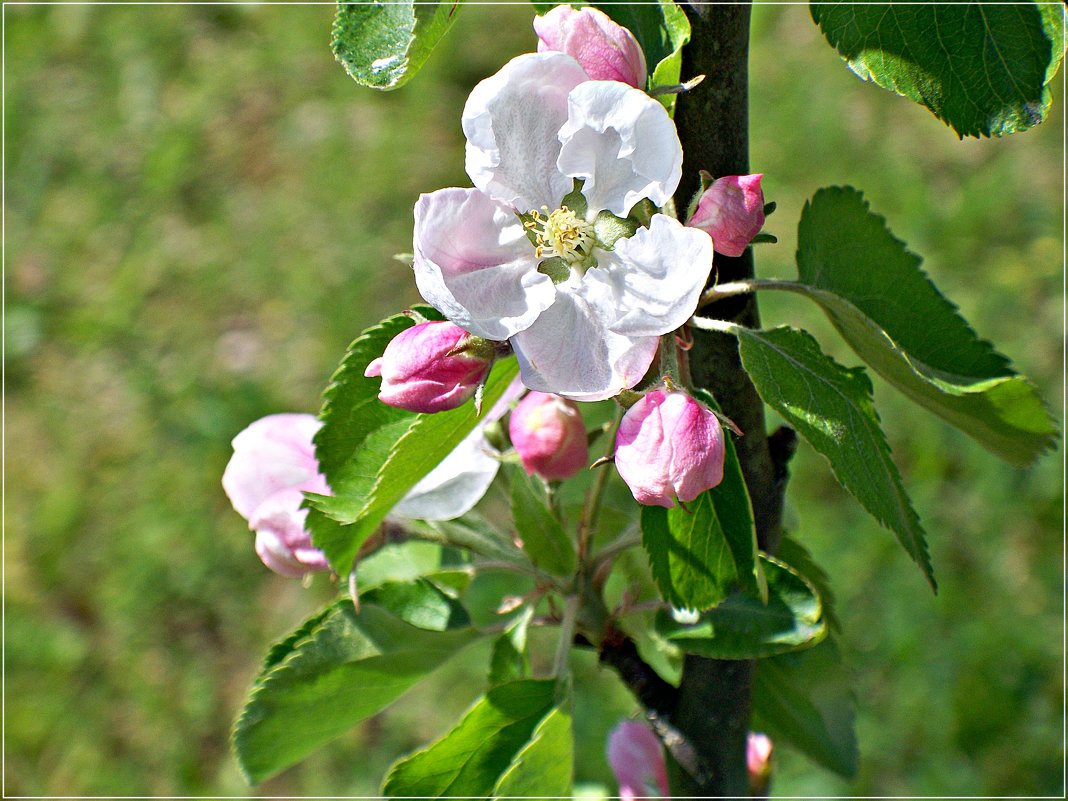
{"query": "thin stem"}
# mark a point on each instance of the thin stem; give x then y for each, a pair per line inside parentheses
(567, 636)
(592, 508)
(746, 286)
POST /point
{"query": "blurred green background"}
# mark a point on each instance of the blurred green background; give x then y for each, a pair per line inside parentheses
(201, 213)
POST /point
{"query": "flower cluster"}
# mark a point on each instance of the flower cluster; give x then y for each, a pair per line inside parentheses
(565, 252)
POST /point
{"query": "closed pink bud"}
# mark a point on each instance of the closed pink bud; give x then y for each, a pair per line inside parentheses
(273, 465)
(549, 435)
(431, 367)
(731, 211)
(637, 761)
(606, 50)
(669, 447)
(758, 762)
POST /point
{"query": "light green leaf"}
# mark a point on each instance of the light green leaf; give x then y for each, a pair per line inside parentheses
(473, 533)
(982, 68)
(420, 603)
(743, 627)
(698, 553)
(509, 660)
(382, 45)
(472, 758)
(336, 670)
(831, 406)
(544, 538)
(545, 768)
(804, 699)
(890, 313)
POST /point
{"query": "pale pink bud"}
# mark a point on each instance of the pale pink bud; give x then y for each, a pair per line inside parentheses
(425, 368)
(758, 761)
(549, 435)
(731, 211)
(669, 446)
(606, 50)
(273, 464)
(637, 760)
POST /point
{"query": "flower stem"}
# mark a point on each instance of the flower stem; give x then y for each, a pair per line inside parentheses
(592, 508)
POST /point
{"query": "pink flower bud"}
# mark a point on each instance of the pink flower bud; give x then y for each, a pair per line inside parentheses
(422, 372)
(549, 435)
(731, 211)
(273, 464)
(669, 446)
(606, 50)
(758, 762)
(637, 760)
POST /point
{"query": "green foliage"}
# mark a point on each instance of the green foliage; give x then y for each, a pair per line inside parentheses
(804, 699)
(983, 69)
(341, 667)
(373, 454)
(744, 627)
(514, 737)
(831, 406)
(543, 536)
(509, 660)
(698, 551)
(887, 309)
(382, 45)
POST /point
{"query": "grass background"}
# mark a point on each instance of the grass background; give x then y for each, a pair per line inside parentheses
(201, 212)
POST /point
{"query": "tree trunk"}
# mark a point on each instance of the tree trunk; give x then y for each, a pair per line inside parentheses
(713, 703)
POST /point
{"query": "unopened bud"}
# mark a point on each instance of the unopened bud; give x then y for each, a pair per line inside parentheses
(431, 367)
(731, 211)
(758, 762)
(669, 447)
(637, 760)
(605, 49)
(549, 435)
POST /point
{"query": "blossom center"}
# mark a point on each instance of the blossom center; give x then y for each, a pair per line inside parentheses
(562, 233)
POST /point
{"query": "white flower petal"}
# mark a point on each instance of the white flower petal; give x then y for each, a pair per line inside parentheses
(474, 263)
(569, 352)
(511, 121)
(622, 143)
(651, 283)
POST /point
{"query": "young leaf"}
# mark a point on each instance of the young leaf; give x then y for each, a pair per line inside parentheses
(509, 660)
(476, 755)
(382, 45)
(982, 68)
(831, 406)
(698, 553)
(804, 699)
(338, 669)
(890, 313)
(544, 538)
(743, 627)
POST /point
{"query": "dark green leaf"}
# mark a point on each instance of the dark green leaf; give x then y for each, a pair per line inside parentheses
(982, 68)
(743, 627)
(474, 757)
(804, 699)
(794, 553)
(831, 407)
(382, 45)
(339, 669)
(890, 313)
(543, 537)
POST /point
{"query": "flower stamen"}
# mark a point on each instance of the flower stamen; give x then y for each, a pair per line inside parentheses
(563, 234)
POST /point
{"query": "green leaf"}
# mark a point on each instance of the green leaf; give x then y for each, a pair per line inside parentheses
(890, 313)
(509, 660)
(662, 30)
(476, 755)
(743, 627)
(831, 406)
(794, 553)
(543, 536)
(699, 552)
(382, 45)
(336, 670)
(804, 699)
(983, 69)
(545, 768)
(470, 532)
(420, 603)
(372, 457)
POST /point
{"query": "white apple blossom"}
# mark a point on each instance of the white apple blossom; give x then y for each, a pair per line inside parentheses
(586, 324)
